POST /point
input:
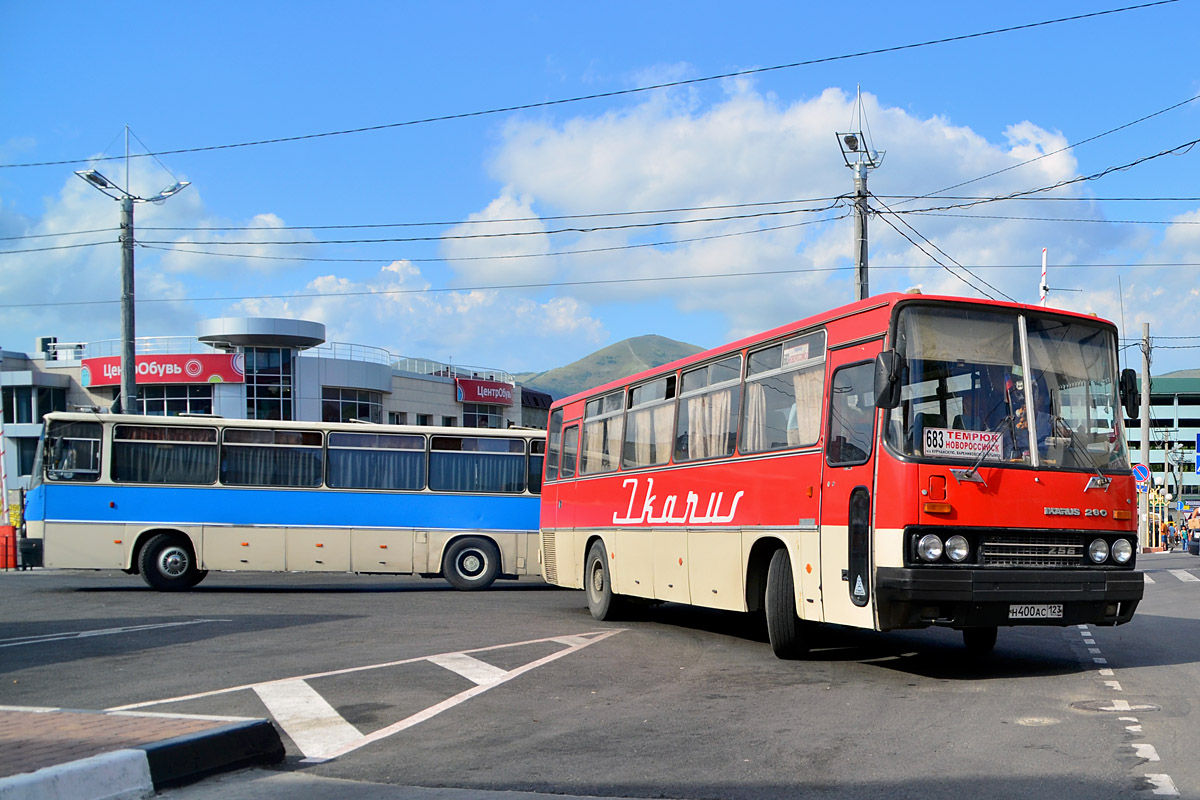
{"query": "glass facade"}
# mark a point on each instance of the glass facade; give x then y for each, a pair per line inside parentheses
(28, 404)
(268, 383)
(172, 400)
(347, 405)
(478, 415)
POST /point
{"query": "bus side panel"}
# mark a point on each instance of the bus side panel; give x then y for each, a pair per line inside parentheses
(712, 556)
(669, 555)
(381, 551)
(633, 569)
(318, 550)
(809, 605)
(85, 545)
(244, 548)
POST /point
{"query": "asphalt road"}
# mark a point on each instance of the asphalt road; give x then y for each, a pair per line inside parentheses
(407, 683)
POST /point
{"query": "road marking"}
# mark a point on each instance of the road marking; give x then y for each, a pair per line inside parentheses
(18, 641)
(1147, 578)
(1163, 785)
(1114, 685)
(1145, 751)
(474, 670)
(1107, 672)
(322, 734)
(1184, 575)
(305, 716)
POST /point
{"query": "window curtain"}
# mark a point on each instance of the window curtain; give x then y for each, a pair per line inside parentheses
(808, 386)
(477, 472)
(159, 462)
(376, 469)
(754, 437)
(271, 466)
(664, 424)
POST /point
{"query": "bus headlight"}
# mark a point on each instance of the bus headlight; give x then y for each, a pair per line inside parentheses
(930, 547)
(957, 549)
(1122, 551)
(1098, 551)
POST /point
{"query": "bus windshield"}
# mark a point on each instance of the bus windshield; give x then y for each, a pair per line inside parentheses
(980, 385)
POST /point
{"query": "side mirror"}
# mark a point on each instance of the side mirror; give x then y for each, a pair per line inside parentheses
(1131, 398)
(887, 380)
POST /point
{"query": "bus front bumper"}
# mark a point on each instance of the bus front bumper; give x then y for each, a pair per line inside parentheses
(965, 598)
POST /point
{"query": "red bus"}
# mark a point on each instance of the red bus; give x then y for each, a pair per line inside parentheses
(902, 462)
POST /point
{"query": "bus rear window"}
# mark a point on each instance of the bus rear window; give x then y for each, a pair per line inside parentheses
(73, 451)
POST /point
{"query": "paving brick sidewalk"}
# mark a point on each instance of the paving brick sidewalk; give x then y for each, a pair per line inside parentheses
(31, 740)
(177, 749)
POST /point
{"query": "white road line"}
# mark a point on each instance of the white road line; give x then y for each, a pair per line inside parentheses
(474, 670)
(1114, 685)
(305, 716)
(1145, 751)
(460, 698)
(1184, 575)
(1094, 650)
(1107, 672)
(18, 641)
(1098, 660)
(1163, 785)
(1147, 578)
(349, 670)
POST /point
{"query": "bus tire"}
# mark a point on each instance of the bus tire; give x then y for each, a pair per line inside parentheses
(784, 629)
(980, 641)
(597, 584)
(167, 563)
(471, 563)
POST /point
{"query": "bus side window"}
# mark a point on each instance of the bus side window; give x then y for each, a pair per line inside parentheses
(537, 455)
(554, 434)
(851, 415)
(569, 452)
(73, 451)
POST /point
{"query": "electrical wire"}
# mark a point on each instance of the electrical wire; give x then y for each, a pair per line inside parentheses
(615, 93)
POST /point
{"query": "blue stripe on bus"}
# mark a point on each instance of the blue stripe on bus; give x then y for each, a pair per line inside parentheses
(292, 507)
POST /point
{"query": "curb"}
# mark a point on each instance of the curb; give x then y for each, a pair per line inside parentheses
(138, 772)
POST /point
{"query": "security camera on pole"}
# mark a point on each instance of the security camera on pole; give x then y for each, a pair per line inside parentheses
(127, 199)
(860, 157)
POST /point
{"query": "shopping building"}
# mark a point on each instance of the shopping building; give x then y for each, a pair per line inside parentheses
(1174, 437)
(253, 368)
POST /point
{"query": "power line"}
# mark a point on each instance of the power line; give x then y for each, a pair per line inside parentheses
(615, 93)
(932, 257)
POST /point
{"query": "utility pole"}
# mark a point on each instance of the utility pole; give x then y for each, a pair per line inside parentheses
(1144, 497)
(860, 157)
(127, 199)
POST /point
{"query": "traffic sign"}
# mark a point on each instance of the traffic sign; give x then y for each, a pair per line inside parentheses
(1141, 473)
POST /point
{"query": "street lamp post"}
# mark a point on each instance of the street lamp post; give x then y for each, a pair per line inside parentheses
(128, 365)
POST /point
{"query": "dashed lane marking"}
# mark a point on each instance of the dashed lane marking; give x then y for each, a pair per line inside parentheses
(1184, 575)
(321, 734)
(1163, 785)
(20, 641)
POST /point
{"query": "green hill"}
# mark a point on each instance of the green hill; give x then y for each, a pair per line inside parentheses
(615, 361)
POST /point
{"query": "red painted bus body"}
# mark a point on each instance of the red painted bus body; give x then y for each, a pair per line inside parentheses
(764, 475)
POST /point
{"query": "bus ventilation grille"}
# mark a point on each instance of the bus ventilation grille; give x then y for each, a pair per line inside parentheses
(1031, 550)
(549, 562)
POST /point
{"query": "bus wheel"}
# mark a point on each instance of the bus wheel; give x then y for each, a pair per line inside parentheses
(784, 628)
(597, 583)
(167, 564)
(471, 563)
(979, 641)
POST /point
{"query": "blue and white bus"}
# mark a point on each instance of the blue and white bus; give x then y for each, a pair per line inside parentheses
(171, 498)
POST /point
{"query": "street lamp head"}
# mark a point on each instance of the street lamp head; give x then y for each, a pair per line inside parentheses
(95, 178)
(174, 188)
(851, 142)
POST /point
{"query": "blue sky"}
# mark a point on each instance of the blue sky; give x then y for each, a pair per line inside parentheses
(185, 77)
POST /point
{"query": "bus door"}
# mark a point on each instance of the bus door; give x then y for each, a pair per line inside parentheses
(558, 506)
(847, 489)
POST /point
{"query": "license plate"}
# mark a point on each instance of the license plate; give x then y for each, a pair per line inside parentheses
(1051, 611)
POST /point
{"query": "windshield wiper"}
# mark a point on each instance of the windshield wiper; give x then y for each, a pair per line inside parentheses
(1099, 480)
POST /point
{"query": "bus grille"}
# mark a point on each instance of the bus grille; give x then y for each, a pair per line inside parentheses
(1031, 550)
(549, 563)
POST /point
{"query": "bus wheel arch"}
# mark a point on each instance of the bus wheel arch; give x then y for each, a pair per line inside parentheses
(470, 563)
(757, 566)
(167, 561)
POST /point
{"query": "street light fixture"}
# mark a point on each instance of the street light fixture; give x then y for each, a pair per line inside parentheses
(859, 157)
(127, 199)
